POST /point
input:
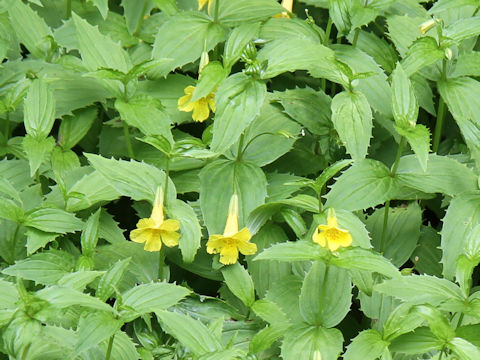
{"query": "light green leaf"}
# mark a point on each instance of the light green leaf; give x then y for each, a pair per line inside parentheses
(238, 102)
(427, 255)
(95, 327)
(237, 11)
(190, 332)
(437, 322)
(340, 14)
(401, 234)
(9, 210)
(38, 151)
(79, 280)
(135, 12)
(421, 53)
(293, 251)
(368, 345)
(365, 184)
(132, 178)
(102, 6)
(44, 268)
(39, 109)
(89, 236)
(190, 229)
(419, 139)
(463, 29)
(229, 177)
(53, 220)
(462, 216)
(169, 7)
(312, 342)
(468, 64)
(62, 297)
(110, 279)
(443, 175)
(238, 38)
(147, 298)
(183, 37)
(239, 282)
(30, 28)
(464, 349)
(37, 239)
(326, 295)
(147, 114)
(212, 75)
(405, 107)
(421, 289)
(97, 50)
(403, 31)
(352, 118)
(8, 294)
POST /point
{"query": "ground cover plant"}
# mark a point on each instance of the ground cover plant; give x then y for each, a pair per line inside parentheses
(239, 179)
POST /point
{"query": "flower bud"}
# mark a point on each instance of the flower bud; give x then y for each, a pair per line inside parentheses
(427, 25)
(448, 53)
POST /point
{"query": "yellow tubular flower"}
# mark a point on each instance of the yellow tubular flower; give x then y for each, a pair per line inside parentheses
(154, 230)
(201, 108)
(331, 236)
(232, 241)
(288, 5)
(201, 4)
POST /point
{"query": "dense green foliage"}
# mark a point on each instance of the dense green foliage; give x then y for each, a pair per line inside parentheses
(314, 126)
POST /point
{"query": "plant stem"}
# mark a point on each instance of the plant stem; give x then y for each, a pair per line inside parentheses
(393, 172)
(215, 11)
(7, 127)
(128, 143)
(476, 11)
(161, 262)
(167, 174)
(69, 9)
(240, 148)
(440, 113)
(326, 41)
(355, 37)
(109, 348)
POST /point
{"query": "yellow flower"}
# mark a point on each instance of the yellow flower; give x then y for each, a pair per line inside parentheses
(331, 236)
(154, 230)
(201, 108)
(232, 241)
(288, 5)
(201, 4)
(427, 25)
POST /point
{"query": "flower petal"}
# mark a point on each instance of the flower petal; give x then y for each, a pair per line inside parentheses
(215, 243)
(170, 225)
(145, 223)
(247, 248)
(140, 235)
(200, 110)
(170, 238)
(228, 255)
(243, 235)
(184, 103)
(319, 238)
(154, 243)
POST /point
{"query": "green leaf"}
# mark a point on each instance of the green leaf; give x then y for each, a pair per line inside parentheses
(79, 280)
(309, 108)
(352, 118)
(62, 297)
(463, 29)
(364, 260)
(95, 327)
(39, 109)
(265, 273)
(38, 151)
(293, 251)
(147, 298)
(365, 184)
(240, 283)
(147, 114)
(183, 38)
(53, 220)
(464, 349)
(427, 255)
(110, 279)
(89, 236)
(401, 234)
(462, 216)
(97, 50)
(329, 173)
(421, 289)
(229, 176)
(443, 175)
(437, 322)
(340, 14)
(238, 102)
(169, 7)
(468, 64)
(212, 75)
(326, 295)
(190, 229)
(190, 332)
(135, 12)
(30, 28)
(378, 48)
(421, 53)
(421, 341)
(405, 107)
(102, 6)
(368, 345)
(132, 178)
(238, 38)
(419, 139)
(8, 294)
(9, 210)
(37, 239)
(46, 268)
(233, 12)
(313, 342)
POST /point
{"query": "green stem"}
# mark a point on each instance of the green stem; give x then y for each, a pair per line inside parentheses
(69, 9)
(167, 174)
(393, 172)
(476, 11)
(109, 348)
(161, 262)
(355, 37)
(128, 143)
(7, 127)
(328, 30)
(440, 114)
(215, 11)
(240, 148)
